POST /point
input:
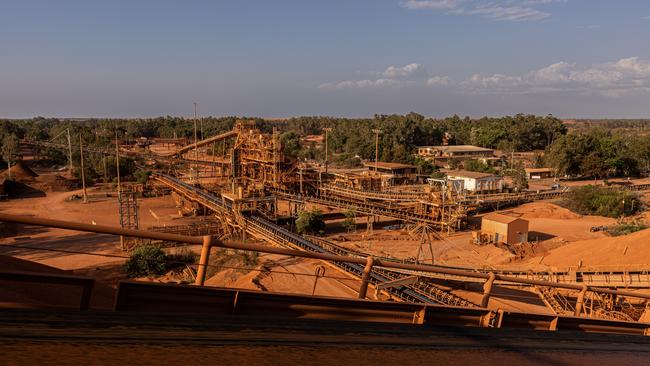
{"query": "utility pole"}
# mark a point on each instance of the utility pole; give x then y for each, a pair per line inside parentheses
(69, 150)
(377, 132)
(300, 166)
(327, 130)
(119, 190)
(105, 170)
(83, 174)
(117, 161)
(201, 123)
(196, 148)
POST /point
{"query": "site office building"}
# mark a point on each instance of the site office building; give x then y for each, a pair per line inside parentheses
(499, 228)
(476, 182)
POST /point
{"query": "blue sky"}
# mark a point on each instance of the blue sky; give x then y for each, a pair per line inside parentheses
(570, 58)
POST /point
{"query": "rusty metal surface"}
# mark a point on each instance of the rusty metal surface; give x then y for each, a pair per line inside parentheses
(177, 299)
(107, 338)
(85, 283)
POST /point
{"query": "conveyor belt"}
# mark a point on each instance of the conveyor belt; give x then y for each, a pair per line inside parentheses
(268, 231)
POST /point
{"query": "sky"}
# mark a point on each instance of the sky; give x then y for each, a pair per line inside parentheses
(351, 58)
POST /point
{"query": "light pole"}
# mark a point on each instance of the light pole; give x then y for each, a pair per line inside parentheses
(196, 147)
(327, 130)
(377, 132)
(83, 174)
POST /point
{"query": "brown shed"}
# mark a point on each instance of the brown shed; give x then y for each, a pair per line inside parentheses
(499, 228)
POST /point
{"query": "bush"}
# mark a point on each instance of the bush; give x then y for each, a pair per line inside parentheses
(146, 260)
(310, 222)
(250, 259)
(349, 224)
(478, 166)
(626, 227)
(141, 176)
(592, 200)
(519, 179)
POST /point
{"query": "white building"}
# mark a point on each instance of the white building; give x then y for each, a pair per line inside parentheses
(477, 182)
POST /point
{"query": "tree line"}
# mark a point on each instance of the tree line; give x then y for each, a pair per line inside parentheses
(591, 151)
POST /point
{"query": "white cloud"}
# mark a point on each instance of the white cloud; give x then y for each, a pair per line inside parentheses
(610, 79)
(430, 4)
(393, 76)
(512, 13)
(438, 81)
(410, 70)
(501, 10)
(360, 84)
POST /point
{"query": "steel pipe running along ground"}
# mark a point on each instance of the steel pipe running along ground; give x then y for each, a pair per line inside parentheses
(208, 242)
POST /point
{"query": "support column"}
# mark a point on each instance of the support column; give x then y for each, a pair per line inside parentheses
(487, 290)
(365, 278)
(319, 272)
(203, 261)
(580, 301)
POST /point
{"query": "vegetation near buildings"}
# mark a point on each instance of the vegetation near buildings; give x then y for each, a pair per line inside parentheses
(598, 153)
(592, 200)
(519, 178)
(310, 222)
(350, 137)
(478, 166)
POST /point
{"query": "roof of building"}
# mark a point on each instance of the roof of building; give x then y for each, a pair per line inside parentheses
(538, 170)
(468, 174)
(497, 217)
(458, 148)
(385, 165)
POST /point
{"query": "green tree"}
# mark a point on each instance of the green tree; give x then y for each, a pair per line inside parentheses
(291, 144)
(310, 222)
(519, 178)
(141, 176)
(478, 166)
(9, 150)
(146, 260)
(349, 224)
(593, 200)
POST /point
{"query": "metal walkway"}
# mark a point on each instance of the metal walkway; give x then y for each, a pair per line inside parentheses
(367, 208)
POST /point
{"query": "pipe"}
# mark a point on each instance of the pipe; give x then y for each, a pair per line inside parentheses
(365, 277)
(102, 229)
(203, 261)
(580, 300)
(487, 290)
